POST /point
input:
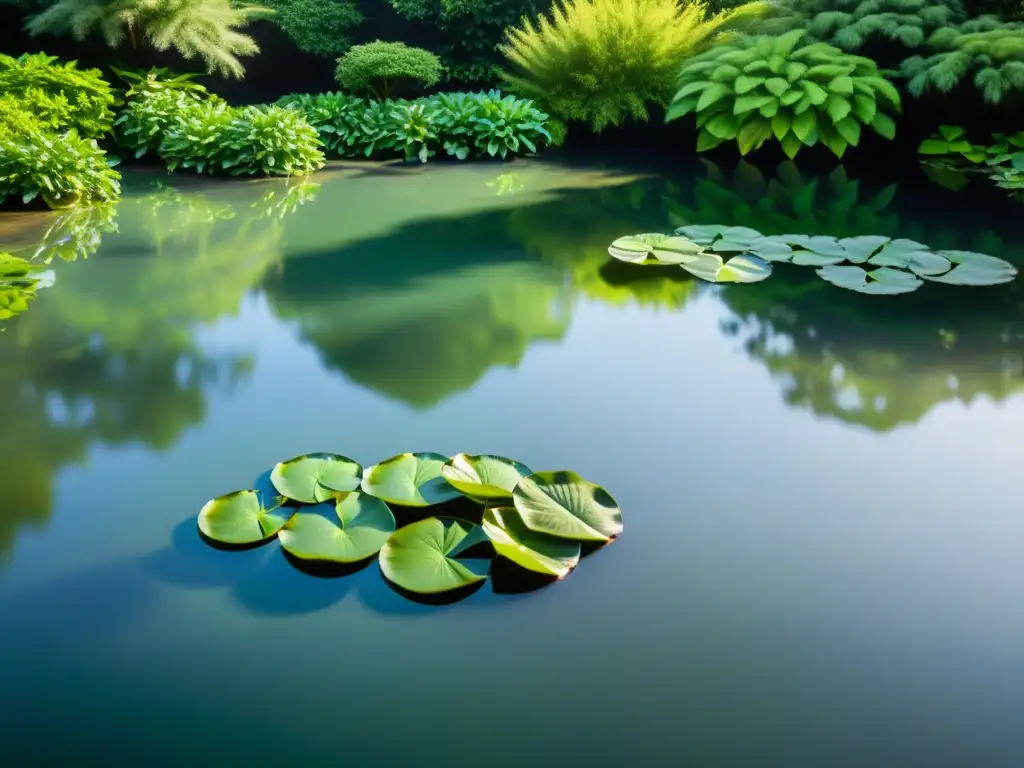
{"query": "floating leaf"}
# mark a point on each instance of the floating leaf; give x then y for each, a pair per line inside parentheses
(744, 269)
(421, 557)
(821, 249)
(880, 281)
(654, 249)
(365, 521)
(859, 249)
(919, 262)
(238, 518)
(485, 478)
(316, 477)
(703, 234)
(534, 551)
(633, 248)
(565, 505)
(771, 249)
(706, 267)
(974, 269)
(410, 479)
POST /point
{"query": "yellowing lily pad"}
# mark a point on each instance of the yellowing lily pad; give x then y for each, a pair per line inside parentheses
(484, 478)
(534, 551)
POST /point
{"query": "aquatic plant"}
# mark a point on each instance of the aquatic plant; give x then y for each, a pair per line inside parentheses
(379, 68)
(329, 513)
(987, 50)
(459, 124)
(868, 264)
(207, 29)
(59, 95)
(1002, 160)
(606, 61)
(63, 169)
(756, 89)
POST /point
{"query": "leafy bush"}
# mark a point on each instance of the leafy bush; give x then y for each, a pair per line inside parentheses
(58, 94)
(317, 26)
(64, 169)
(603, 61)
(460, 124)
(759, 88)
(210, 137)
(145, 120)
(14, 119)
(145, 82)
(378, 68)
(204, 28)
(991, 50)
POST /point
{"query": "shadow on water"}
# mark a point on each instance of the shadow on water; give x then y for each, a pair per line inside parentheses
(278, 589)
(190, 562)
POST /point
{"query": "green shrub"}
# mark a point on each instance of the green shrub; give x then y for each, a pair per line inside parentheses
(211, 137)
(853, 24)
(145, 82)
(379, 68)
(64, 169)
(459, 124)
(15, 120)
(144, 121)
(759, 88)
(208, 29)
(987, 48)
(317, 26)
(604, 61)
(58, 94)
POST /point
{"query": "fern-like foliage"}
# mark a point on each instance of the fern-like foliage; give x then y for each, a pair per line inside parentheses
(759, 88)
(205, 29)
(605, 61)
(852, 24)
(988, 51)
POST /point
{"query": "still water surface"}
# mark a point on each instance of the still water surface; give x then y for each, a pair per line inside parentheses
(823, 559)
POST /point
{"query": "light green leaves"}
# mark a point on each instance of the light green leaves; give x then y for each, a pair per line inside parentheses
(973, 269)
(485, 478)
(744, 268)
(654, 248)
(239, 519)
(534, 551)
(881, 280)
(564, 505)
(410, 479)
(423, 557)
(316, 477)
(364, 524)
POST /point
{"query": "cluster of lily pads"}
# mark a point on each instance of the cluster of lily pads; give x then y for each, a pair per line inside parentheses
(869, 264)
(327, 512)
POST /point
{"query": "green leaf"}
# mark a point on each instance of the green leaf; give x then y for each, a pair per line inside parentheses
(974, 269)
(710, 95)
(484, 477)
(803, 124)
(707, 141)
(723, 126)
(239, 518)
(565, 505)
(864, 108)
(791, 97)
(843, 84)
(745, 268)
(776, 85)
(534, 551)
(838, 107)
(410, 479)
(366, 523)
(706, 267)
(675, 250)
(849, 129)
(933, 147)
(859, 249)
(746, 83)
(781, 124)
(753, 134)
(316, 477)
(952, 132)
(880, 281)
(422, 557)
(751, 102)
(884, 125)
(771, 249)
(791, 145)
(814, 92)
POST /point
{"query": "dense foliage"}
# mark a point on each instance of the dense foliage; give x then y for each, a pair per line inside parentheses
(459, 124)
(759, 88)
(986, 50)
(207, 29)
(380, 69)
(469, 31)
(64, 169)
(59, 94)
(318, 26)
(1002, 160)
(605, 61)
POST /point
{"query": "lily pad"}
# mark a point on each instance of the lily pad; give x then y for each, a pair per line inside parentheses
(364, 524)
(883, 280)
(744, 268)
(816, 249)
(484, 478)
(238, 519)
(908, 254)
(974, 269)
(702, 234)
(316, 477)
(860, 249)
(410, 479)
(565, 505)
(771, 249)
(654, 248)
(534, 551)
(421, 557)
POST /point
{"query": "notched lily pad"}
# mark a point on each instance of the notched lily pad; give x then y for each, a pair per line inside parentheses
(238, 519)
(537, 552)
(410, 479)
(316, 477)
(655, 248)
(364, 524)
(971, 268)
(883, 280)
(485, 478)
(423, 558)
(565, 505)
(744, 268)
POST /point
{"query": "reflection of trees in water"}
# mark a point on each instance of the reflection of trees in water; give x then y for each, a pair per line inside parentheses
(881, 362)
(108, 354)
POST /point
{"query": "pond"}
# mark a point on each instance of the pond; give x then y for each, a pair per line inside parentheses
(823, 552)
